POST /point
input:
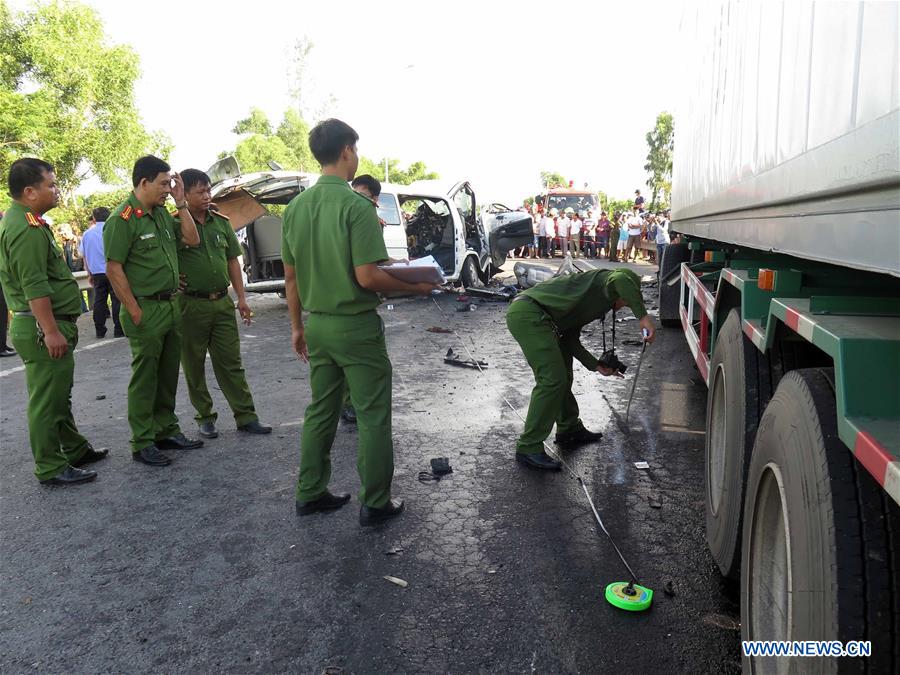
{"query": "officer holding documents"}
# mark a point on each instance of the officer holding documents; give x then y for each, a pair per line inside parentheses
(546, 320)
(141, 241)
(331, 247)
(45, 301)
(208, 323)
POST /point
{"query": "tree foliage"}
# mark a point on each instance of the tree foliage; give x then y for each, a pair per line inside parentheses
(257, 122)
(396, 174)
(67, 95)
(661, 142)
(294, 133)
(552, 179)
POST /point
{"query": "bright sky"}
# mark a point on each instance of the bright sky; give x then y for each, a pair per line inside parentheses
(493, 92)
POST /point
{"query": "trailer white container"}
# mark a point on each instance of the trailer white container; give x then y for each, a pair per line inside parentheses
(788, 138)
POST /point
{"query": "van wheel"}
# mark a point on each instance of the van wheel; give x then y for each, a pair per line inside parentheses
(738, 373)
(470, 276)
(670, 296)
(820, 554)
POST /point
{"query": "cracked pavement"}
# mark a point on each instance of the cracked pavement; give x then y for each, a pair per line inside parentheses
(203, 566)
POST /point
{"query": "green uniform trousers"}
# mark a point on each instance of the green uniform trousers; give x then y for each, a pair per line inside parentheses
(551, 399)
(55, 441)
(348, 349)
(211, 326)
(155, 354)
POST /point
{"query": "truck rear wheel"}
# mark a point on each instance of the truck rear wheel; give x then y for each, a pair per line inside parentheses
(821, 559)
(732, 416)
(670, 295)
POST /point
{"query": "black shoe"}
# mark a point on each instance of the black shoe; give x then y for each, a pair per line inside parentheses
(369, 515)
(327, 502)
(92, 455)
(7, 351)
(539, 460)
(208, 430)
(577, 438)
(349, 415)
(70, 476)
(178, 442)
(101, 334)
(118, 333)
(255, 427)
(151, 456)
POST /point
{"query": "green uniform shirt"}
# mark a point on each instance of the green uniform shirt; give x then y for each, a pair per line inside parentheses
(32, 265)
(145, 244)
(205, 267)
(576, 300)
(329, 230)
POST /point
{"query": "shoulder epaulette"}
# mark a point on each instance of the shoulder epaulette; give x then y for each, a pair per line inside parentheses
(33, 221)
(126, 212)
(219, 213)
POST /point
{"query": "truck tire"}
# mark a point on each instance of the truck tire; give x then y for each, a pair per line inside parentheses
(738, 377)
(821, 559)
(670, 296)
(470, 275)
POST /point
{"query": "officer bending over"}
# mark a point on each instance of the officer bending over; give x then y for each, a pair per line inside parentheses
(546, 321)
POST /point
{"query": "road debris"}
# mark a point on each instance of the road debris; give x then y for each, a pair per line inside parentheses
(669, 589)
(506, 294)
(454, 360)
(438, 329)
(101, 397)
(641, 465)
(722, 621)
(397, 550)
(395, 580)
(655, 501)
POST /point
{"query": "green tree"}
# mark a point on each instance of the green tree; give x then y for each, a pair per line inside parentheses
(661, 142)
(398, 176)
(552, 179)
(294, 132)
(255, 123)
(254, 153)
(67, 95)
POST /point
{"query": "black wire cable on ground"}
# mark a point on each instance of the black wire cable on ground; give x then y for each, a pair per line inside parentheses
(550, 451)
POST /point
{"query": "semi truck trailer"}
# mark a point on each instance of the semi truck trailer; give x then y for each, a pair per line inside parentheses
(786, 284)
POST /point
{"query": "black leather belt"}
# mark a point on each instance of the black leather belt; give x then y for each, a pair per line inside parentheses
(71, 318)
(215, 295)
(158, 296)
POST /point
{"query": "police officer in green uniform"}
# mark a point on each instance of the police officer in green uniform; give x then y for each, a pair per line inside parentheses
(42, 293)
(140, 240)
(208, 323)
(331, 246)
(546, 320)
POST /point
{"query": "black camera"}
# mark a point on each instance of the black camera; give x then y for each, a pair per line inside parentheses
(608, 359)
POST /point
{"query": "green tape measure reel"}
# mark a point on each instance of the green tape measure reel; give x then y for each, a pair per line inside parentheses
(627, 596)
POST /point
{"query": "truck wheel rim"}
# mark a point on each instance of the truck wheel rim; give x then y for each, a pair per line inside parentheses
(770, 560)
(715, 442)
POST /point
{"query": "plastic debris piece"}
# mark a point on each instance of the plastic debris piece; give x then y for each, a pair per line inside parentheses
(438, 329)
(454, 360)
(101, 397)
(641, 465)
(395, 580)
(397, 550)
(390, 307)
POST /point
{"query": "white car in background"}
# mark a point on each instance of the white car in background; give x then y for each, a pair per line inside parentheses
(426, 218)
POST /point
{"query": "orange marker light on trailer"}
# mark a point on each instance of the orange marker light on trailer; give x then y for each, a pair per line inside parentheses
(766, 280)
(708, 256)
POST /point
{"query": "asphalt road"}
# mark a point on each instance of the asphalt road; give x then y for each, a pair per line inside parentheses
(204, 567)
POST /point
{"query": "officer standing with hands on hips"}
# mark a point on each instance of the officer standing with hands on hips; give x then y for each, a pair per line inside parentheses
(140, 240)
(331, 246)
(207, 312)
(546, 320)
(45, 300)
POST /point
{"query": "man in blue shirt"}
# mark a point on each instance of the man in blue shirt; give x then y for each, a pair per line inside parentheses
(95, 266)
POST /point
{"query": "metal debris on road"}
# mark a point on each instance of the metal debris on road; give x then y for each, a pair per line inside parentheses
(395, 580)
(506, 294)
(397, 550)
(438, 329)
(641, 465)
(455, 360)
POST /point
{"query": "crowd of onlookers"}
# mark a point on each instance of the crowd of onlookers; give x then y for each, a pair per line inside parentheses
(585, 234)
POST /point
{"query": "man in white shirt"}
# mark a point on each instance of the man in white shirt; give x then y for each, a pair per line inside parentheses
(549, 226)
(635, 224)
(563, 225)
(660, 231)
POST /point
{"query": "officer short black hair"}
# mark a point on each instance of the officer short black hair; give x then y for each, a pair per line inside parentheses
(372, 184)
(26, 172)
(192, 177)
(148, 167)
(328, 139)
(100, 214)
